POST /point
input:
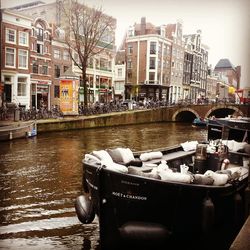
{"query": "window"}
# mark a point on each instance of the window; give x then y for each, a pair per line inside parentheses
(168, 50)
(119, 72)
(35, 68)
(46, 49)
(10, 36)
(21, 86)
(152, 63)
(90, 62)
(10, 57)
(151, 77)
(153, 48)
(39, 48)
(130, 49)
(103, 64)
(76, 59)
(129, 64)
(23, 38)
(57, 71)
(57, 54)
(56, 91)
(45, 70)
(65, 55)
(39, 33)
(107, 36)
(65, 68)
(33, 32)
(131, 31)
(22, 59)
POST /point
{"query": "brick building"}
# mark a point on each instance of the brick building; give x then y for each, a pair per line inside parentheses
(199, 65)
(148, 56)
(187, 66)
(226, 68)
(15, 59)
(120, 73)
(61, 62)
(100, 69)
(40, 63)
(174, 33)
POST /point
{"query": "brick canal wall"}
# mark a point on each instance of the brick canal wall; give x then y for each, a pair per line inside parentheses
(163, 114)
(104, 120)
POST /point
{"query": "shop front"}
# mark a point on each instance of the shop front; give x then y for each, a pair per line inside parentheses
(149, 91)
(40, 94)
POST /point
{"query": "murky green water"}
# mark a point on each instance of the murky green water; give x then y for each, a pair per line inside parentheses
(41, 177)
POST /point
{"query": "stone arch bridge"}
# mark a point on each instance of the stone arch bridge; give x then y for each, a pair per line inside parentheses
(187, 113)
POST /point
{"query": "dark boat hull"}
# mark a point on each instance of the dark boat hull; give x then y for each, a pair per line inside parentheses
(131, 207)
(230, 129)
(138, 212)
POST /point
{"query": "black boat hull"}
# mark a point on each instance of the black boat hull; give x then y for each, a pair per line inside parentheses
(133, 210)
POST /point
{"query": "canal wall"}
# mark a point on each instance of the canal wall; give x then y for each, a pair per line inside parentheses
(103, 120)
(163, 114)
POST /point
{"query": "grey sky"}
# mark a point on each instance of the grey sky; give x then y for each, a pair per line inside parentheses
(224, 23)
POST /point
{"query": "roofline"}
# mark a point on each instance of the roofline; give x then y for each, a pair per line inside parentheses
(10, 12)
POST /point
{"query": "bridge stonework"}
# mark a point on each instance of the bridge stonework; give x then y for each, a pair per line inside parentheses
(164, 114)
(205, 111)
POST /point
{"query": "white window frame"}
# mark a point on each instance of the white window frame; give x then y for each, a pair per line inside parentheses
(41, 47)
(46, 49)
(23, 85)
(57, 54)
(14, 60)
(27, 56)
(119, 72)
(7, 36)
(66, 56)
(26, 38)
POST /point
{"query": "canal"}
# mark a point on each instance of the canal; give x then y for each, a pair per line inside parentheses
(41, 177)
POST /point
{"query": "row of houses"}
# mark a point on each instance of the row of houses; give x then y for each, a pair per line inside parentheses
(156, 62)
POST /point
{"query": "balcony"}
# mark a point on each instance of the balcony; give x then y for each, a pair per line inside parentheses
(151, 82)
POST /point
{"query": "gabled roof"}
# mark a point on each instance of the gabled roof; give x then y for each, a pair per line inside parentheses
(224, 64)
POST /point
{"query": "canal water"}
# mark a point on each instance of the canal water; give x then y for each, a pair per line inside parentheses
(40, 178)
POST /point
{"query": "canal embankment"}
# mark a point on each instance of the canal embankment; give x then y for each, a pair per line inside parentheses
(102, 120)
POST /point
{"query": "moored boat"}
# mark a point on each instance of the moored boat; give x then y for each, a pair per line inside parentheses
(198, 122)
(18, 130)
(168, 197)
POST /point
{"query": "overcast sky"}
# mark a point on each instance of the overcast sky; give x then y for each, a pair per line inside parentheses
(224, 23)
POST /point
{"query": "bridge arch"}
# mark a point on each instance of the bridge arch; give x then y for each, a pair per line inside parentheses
(185, 114)
(230, 110)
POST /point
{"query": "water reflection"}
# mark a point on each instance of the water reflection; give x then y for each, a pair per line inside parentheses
(41, 177)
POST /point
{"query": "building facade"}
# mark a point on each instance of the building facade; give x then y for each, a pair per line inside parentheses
(174, 33)
(120, 75)
(15, 58)
(199, 65)
(100, 71)
(40, 64)
(148, 56)
(226, 68)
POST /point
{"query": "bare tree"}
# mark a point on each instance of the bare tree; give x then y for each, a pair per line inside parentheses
(89, 32)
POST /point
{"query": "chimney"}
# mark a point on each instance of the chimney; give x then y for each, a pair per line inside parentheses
(143, 25)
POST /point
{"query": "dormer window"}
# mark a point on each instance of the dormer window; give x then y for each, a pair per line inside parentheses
(131, 31)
